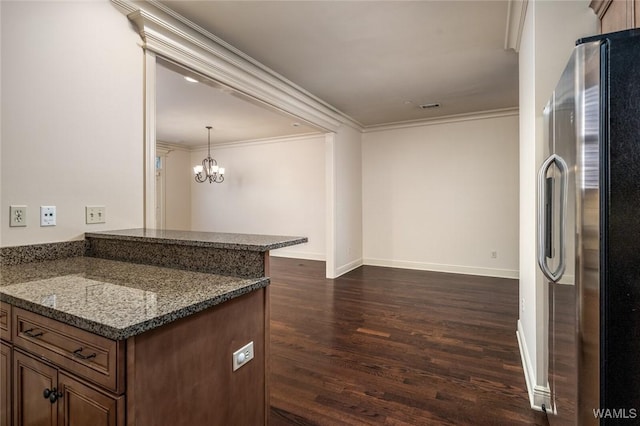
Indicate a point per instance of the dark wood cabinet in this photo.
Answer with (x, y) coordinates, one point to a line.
(5, 321)
(30, 379)
(5, 385)
(617, 15)
(179, 374)
(79, 404)
(45, 396)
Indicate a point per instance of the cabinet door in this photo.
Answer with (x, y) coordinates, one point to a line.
(5, 385)
(31, 378)
(618, 16)
(82, 405)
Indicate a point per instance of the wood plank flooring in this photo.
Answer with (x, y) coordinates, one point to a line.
(384, 346)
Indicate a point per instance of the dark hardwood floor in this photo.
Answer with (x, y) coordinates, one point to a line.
(394, 347)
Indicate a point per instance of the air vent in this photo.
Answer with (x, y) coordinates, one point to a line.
(429, 106)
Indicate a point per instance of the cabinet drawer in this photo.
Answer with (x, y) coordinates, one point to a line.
(5, 321)
(87, 355)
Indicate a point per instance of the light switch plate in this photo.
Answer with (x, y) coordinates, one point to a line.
(17, 216)
(96, 214)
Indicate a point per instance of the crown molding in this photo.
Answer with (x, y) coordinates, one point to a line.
(168, 146)
(177, 39)
(600, 7)
(261, 141)
(516, 12)
(482, 115)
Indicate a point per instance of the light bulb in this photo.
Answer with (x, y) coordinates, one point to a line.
(221, 170)
(197, 169)
(214, 169)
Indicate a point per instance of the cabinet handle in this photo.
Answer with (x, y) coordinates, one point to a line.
(78, 354)
(51, 394)
(32, 335)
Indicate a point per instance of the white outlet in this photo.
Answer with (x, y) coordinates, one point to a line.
(494, 254)
(18, 216)
(95, 214)
(522, 304)
(242, 356)
(47, 215)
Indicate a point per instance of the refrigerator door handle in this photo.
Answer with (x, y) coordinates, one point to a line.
(554, 276)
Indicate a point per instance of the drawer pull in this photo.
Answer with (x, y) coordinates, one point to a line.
(52, 395)
(78, 354)
(31, 334)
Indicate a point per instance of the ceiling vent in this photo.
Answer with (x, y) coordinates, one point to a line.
(430, 106)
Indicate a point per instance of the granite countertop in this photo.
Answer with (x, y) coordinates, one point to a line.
(249, 242)
(116, 299)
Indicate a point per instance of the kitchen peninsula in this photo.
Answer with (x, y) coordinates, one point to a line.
(137, 327)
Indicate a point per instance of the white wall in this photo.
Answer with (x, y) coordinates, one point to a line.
(548, 38)
(346, 151)
(273, 187)
(72, 130)
(443, 196)
(178, 170)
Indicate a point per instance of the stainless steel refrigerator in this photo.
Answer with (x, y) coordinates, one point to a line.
(588, 243)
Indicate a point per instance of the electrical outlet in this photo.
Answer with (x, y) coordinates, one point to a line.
(95, 214)
(494, 254)
(522, 304)
(242, 356)
(47, 215)
(18, 216)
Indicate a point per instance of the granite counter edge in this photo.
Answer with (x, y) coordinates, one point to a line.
(113, 333)
(196, 243)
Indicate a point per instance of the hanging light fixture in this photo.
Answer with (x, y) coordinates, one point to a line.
(209, 170)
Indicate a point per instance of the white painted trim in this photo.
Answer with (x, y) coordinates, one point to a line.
(249, 59)
(297, 254)
(255, 142)
(150, 139)
(538, 395)
(439, 267)
(516, 13)
(162, 150)
(341, 270)
(161, 189)
(168, 147)
(481, 115)
(175, 38)
(330, 205)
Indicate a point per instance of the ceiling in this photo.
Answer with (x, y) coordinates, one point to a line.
(184, 109)
(376, 61)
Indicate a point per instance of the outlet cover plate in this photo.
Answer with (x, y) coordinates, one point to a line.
(47, 215)
(242, 356)
(17, 216)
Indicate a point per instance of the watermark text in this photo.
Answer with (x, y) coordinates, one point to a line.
(615, 413)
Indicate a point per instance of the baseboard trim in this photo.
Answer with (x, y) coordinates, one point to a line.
(297, 254)
(538, 395)
(437, 267)
(341, 270)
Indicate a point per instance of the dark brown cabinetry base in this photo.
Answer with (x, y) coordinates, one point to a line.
(44, 395)
(5, 385)
(176, 374)
(181, 374)
(30, 379)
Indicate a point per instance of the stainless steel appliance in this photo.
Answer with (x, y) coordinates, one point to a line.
(589, 234)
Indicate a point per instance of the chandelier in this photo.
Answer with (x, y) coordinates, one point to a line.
(209, 170)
